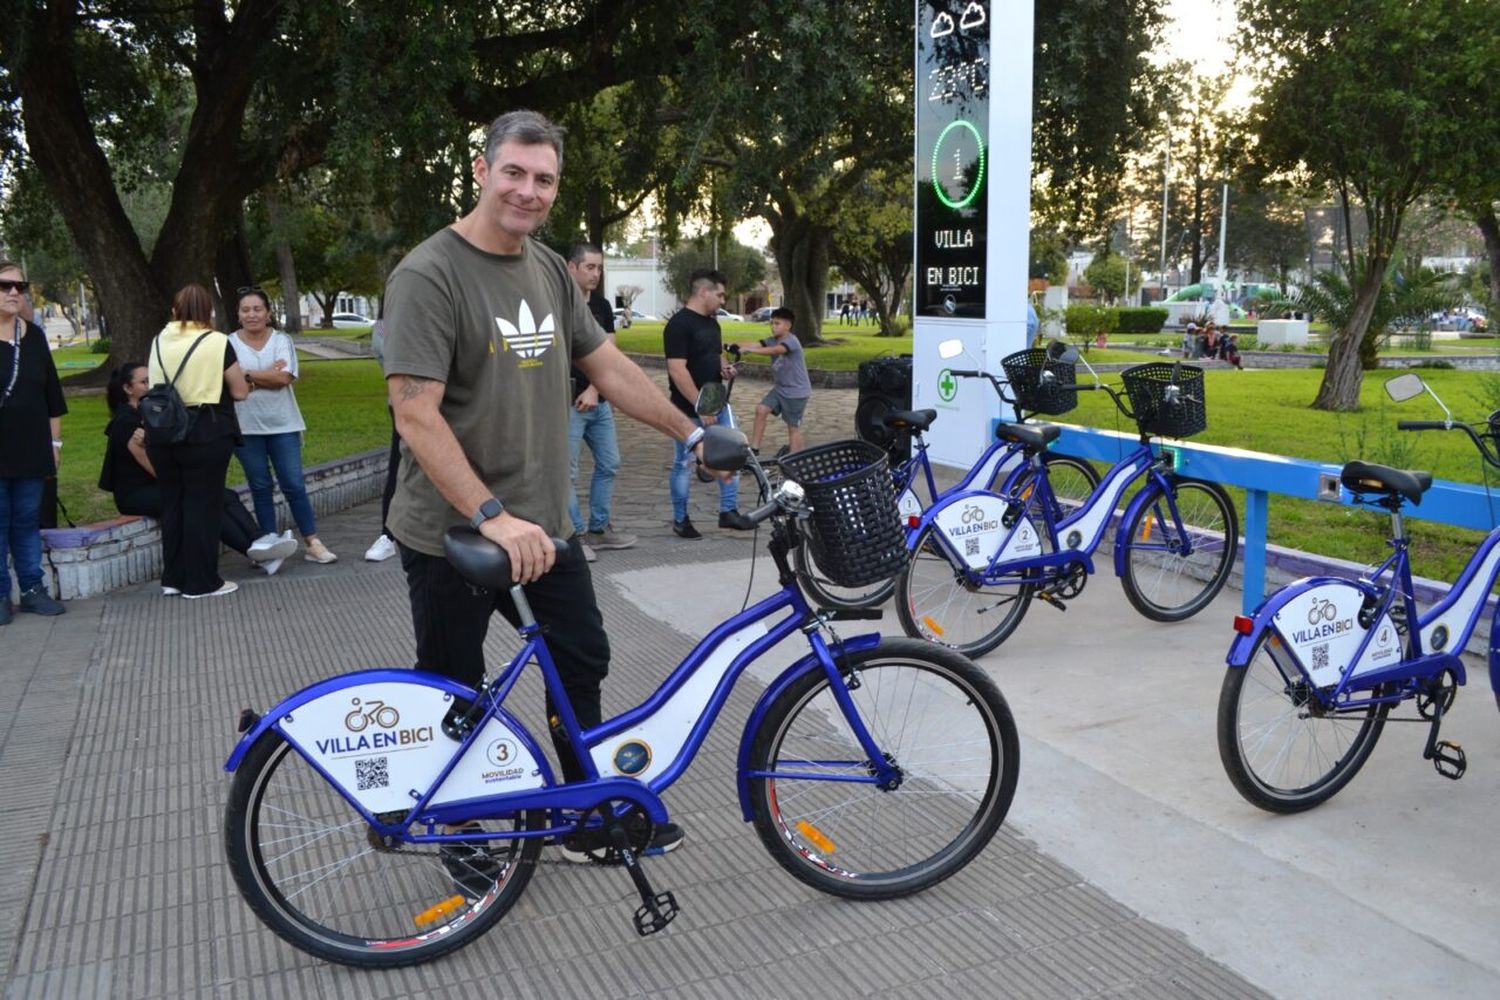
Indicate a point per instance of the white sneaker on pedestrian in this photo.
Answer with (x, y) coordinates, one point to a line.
(273, 546)
(382, 550)
(170, 592)
(318, 552)
(271, 566)
(227, 587)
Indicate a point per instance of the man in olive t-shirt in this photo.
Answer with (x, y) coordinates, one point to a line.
(482, 323)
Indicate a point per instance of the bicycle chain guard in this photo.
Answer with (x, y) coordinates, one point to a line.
(1437, 698)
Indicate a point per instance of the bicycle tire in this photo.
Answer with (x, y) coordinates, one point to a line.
(929, 709)
(305, 862)
(1156, 573)
(827, 594)
(936, 601)
(1279, 754)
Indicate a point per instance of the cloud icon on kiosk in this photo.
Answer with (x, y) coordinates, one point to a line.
(942, 25)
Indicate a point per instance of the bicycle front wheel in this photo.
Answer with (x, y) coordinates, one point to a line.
(937, 601)
(827, 594)
(1173, 573)
(1282, 750)
(313, 870)
(938, 719)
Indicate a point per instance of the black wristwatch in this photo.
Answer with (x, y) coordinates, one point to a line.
(490, 508)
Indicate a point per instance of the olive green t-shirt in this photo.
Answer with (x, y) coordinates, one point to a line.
(500, 332)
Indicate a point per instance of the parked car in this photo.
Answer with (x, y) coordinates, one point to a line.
(762, 315)
(635, 316)
(343, 321)
(725, 314)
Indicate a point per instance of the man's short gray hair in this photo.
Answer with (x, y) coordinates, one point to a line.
(526, 127)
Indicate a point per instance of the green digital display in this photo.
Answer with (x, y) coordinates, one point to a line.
(952, 128)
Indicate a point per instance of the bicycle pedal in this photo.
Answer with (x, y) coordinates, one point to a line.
(655, 913)
(1053, 600)
(1449, 760)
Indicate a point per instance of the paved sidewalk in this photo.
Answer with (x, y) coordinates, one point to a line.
(1127, 866)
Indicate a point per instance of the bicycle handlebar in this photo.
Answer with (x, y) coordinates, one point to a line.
(1489, 456)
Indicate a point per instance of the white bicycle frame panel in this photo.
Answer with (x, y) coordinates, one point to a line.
(387, 767)
(972, 526)
(1321, 628)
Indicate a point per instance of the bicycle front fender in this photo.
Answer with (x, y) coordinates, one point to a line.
(1147, 495)
(1264, 618)
(857, 644)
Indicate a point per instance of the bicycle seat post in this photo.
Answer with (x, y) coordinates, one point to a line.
(523, 609)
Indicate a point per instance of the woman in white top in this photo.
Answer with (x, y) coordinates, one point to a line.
(271, 426)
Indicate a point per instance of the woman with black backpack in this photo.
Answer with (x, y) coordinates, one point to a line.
(197, 361)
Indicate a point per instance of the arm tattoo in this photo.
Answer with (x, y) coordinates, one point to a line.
(412, 386)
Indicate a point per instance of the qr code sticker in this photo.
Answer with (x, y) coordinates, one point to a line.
(372, 773)
(1320, 656)
(971, 546)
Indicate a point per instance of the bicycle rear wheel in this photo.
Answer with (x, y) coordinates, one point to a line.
(937, 601)
(1281, 749)
(1164, 580)
(312, 869)
(938, 718)
(827, 594)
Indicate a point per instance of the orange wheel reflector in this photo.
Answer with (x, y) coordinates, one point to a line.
(934, 626)
(815, 837)
(1146, 529)
(438, 911)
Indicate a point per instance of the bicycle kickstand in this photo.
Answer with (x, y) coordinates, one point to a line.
(1448, 758)
(657, 910)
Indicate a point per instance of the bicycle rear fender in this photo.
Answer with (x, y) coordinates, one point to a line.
(376, 735)
(857, 644)
(1325, 624)
(972, 526)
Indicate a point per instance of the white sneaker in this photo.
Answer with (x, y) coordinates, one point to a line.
(382, 550)
(228, 587)
(318, 552)
(170, 592)
(271, 566)
(268, 547)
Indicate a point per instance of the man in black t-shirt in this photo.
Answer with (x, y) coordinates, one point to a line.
(694, 349)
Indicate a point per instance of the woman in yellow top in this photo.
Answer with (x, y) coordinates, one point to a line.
(191, 472)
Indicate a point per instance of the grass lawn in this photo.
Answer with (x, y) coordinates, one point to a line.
(851, 344)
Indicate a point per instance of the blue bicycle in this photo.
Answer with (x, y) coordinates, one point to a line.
(1314, 673)
(1071, 479)
(870, 767)
(978, 558)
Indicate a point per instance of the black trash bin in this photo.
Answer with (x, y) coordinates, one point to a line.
(884, 385)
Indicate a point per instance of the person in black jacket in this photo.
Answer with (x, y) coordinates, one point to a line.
(31, 410)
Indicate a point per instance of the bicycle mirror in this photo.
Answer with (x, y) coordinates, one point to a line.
(711, 399)
(1404, 387)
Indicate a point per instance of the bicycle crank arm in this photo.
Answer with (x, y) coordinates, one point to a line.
(657, 909)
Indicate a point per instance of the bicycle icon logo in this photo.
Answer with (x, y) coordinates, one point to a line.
(1321, 610)
(972, 514)
(383, 715)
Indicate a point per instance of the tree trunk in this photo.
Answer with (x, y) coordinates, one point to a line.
(1490, 227)
(802, 248)
(286, 264)
(1339, 390)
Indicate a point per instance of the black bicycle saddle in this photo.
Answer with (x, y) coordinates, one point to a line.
(1031, 435)
(1363, 477)
(481, 561)
(918, 420)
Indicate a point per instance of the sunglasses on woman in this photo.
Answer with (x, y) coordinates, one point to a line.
(14, 286)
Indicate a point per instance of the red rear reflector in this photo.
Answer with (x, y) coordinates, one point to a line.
(1244, 624)
(912, 520)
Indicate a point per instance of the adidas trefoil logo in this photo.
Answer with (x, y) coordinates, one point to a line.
(529, 340)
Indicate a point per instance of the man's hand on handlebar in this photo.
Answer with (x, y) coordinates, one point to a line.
(529, 548)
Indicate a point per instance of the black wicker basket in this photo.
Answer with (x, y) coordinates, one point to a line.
(1155, 412)
(855, 530)
(1023, 370)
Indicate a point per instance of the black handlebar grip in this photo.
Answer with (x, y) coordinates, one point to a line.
(965, 373)
(1421, 425)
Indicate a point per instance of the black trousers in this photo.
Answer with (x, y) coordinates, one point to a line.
(392, 466)
(452, 616)
(237, 528)
(191, 477)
